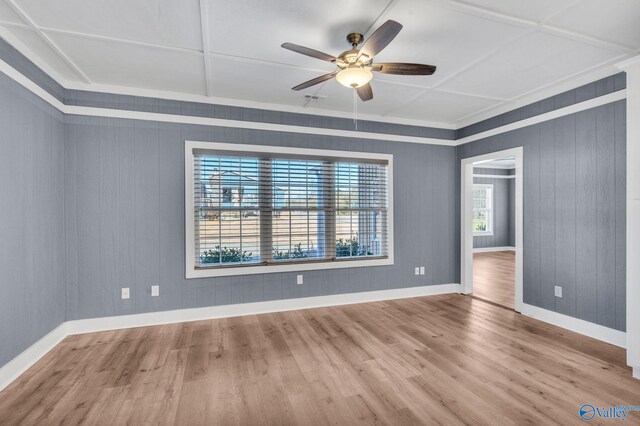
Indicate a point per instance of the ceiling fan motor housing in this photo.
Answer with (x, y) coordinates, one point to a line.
(355, 39)
(352, 57)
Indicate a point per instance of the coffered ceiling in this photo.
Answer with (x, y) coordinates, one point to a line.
(492, 55)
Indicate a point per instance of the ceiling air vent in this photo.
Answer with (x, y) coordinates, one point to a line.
(313, 98)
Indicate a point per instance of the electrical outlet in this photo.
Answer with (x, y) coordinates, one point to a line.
(125, 293)
(558, 291)
(417, 270)
(300, 280)
(422, 271)
(155, 290)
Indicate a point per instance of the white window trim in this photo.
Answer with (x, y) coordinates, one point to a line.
(490, 232)
(192, 272)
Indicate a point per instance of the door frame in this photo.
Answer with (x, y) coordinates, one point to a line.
(466, 215)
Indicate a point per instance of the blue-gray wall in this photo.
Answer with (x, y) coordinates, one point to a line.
(32, 280)
(97, 204)
(570, 97)
(503, 209)
(20, 63)
(574, 206)
(125, 219)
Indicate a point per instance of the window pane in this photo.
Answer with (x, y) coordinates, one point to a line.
(229, 182)
(359, 233)
(298, 235)
(226, 208)
(480, 203)
(296, 183)
(298, 219)
(230, 237)
(361, 199)
(479, 221)
(361, 209)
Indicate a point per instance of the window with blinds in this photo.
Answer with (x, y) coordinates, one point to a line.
(482, 209)
(273, 209)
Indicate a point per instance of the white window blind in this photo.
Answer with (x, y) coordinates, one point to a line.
(264, 209)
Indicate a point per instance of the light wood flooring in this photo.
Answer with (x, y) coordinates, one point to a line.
(494, 277)
(448, 359)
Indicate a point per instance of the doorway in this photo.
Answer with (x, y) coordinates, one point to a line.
(492, 227)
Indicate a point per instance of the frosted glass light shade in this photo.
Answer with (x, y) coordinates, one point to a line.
(354, 77)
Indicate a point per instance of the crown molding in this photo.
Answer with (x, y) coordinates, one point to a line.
(185, 97)
(551, 115)
(606, 69)
(602, 71)
(628, 63)
(207, 121)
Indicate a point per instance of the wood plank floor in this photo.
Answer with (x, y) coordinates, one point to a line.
(494, 277)
(448, 359)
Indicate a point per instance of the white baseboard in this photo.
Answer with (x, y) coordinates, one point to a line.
(227, 311)
(636, 373)
(491, 249)
(606, 334)
(12, 370)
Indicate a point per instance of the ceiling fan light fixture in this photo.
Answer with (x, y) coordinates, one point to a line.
(355, 66)
(354, 77)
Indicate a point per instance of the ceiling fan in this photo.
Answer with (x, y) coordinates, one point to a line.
(356, 65)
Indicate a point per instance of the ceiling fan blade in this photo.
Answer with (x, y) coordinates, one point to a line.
(309, 52)
(404, 69)
(365, 92)
(381, 38)
(315, 81)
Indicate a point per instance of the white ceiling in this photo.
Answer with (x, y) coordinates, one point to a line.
(492, 55)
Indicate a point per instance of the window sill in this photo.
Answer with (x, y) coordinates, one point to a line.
(483, 234)
(290, 267)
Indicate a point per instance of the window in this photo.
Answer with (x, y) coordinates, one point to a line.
(482, 209)
(255, 209)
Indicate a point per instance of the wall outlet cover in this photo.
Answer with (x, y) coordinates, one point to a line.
(155, 290)
(125, 293)
(300, 279)
(417, 270)
(558, 291)
(422, 270)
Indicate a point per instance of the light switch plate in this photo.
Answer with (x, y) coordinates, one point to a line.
(300, 280)
(558, 291)
(125, 292)
(155, 290)
(417, 270)
(422, 271)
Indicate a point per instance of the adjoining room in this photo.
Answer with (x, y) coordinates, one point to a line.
(319, 212)
(494, 231)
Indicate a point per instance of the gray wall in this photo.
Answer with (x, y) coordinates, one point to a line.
(503, 210)
(20, 63)
(574, 211)
(137, 103)
(32, 280)
(124, 186)
(570, 97)
(93, 205)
